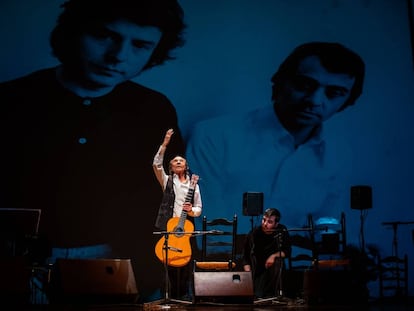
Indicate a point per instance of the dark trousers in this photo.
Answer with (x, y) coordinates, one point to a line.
(179, 278)
(268, 282)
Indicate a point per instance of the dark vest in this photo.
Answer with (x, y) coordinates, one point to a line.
(165, 211)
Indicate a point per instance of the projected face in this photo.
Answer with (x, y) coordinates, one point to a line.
(313, 94)
(116, 52)
(268, 224)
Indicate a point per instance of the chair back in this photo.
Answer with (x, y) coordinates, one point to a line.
(393, 277)
(218, 245)
(329, 237)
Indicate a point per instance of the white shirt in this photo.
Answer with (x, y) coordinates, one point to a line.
(181, 189)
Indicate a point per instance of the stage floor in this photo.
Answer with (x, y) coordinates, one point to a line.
(281, 305)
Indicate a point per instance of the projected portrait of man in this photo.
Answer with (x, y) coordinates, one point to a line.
(78, 139)
(283, 149)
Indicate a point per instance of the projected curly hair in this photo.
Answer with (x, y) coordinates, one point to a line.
(82, 16)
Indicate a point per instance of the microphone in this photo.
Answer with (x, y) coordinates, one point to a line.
(279, 230)
(278, 235)
(216, 232)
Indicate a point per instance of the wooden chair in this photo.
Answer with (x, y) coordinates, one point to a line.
(218, 248)
(393, 277)
(304, 254)
(329, 239)
(301, 260)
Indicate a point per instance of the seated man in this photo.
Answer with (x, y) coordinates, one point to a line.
(264, 250)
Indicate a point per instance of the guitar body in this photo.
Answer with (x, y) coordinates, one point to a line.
(178, 252)
(179, 247)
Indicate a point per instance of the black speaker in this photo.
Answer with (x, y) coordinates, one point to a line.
(15, 281)
(332, 286)
(361, 197)
(252, 203)
(223, 287)
(93, 281)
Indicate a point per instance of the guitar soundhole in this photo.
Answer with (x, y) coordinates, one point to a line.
(178, 232)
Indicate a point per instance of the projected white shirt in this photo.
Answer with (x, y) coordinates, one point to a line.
(252, 152)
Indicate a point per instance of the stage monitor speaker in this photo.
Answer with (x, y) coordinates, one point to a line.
(332, 287)
(93, 281)
(361, 197)
(252, 203)
(223, 287)
(15, 281)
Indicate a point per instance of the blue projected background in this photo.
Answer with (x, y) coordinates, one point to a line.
(234, 46)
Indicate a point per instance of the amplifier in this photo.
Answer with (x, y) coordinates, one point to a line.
(223, 287)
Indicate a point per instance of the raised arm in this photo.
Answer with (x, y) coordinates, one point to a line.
(158, 162)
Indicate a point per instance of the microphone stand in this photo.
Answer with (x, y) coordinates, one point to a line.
(394, 225)
(165, 302)
(278, 298)
(279, 285)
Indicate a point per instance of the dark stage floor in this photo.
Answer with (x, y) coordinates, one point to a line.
(276, 304)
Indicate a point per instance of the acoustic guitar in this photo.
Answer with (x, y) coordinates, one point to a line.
(174, 248)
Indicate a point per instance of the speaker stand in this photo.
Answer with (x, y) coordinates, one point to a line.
(251, 222)
(362, 216)
(362, 220)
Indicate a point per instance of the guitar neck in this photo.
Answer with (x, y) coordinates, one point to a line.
(188, 198)
(190, 195)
